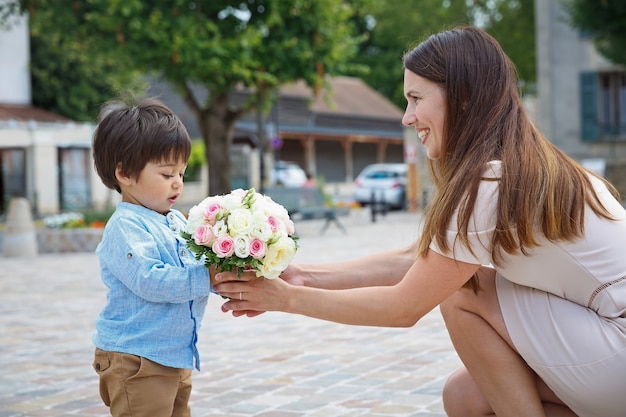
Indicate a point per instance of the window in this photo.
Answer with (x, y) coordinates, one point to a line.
(612, 104)
(12, 175)
(603, 105)
(74, 187)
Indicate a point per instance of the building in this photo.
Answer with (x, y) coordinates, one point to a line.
(582, 95)
(332, 136)
(43, 156)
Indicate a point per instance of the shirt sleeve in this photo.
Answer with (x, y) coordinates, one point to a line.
(481, 226)
(149, 265)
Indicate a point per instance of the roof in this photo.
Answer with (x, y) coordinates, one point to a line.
(346, 96)
(25, 113)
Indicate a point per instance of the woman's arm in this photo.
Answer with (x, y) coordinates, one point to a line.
(429, 281)
(382, 269)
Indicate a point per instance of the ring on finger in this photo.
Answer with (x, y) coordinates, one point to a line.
(240, 296)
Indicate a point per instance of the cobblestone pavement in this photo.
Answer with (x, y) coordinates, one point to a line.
(274, 365)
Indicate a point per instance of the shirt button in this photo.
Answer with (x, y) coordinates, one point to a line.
(170, 216)
(129, 255)
(174, 227)
(183, 252)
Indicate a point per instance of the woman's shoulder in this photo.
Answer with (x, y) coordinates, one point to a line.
(492, 170)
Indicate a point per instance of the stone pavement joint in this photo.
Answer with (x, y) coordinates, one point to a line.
(274, 365)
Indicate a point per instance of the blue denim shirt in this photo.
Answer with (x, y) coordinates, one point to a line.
(158, 291)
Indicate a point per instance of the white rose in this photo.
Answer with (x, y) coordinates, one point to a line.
(278, 256)
(240, 221)
(260, 227)
(220, 228)
(195, 218)
(242, 246)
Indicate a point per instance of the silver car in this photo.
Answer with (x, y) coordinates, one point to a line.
(288, 174)
(386, 183)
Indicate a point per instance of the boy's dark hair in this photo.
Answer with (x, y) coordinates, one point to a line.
(131, 133)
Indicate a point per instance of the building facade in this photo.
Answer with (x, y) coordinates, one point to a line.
(581, 95)
(43, 156)
(332, 136)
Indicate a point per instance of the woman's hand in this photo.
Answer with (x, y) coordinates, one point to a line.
(292, 275)
(250, 295)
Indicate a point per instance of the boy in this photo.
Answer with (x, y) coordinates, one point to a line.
(157, 292)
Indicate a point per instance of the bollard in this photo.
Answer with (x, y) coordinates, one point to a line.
(20, 238)
(377, 206)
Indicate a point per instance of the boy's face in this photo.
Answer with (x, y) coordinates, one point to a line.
(157, 186)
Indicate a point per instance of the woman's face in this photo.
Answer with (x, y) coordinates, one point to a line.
(425, 111)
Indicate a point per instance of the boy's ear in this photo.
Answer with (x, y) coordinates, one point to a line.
(122, 177)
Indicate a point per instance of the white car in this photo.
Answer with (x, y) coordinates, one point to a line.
(288, 174)
(386, 183)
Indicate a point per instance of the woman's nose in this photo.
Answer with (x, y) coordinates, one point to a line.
(409, 118)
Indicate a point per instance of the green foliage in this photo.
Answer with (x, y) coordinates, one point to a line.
(512, 23)
(196, 160)
(395, 26)
(70, 74)
(604, 21)
(219, 45)
(209, 258)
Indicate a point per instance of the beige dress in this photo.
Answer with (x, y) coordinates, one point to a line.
(564, 304)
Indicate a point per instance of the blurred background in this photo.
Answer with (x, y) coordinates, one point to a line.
(274, 92)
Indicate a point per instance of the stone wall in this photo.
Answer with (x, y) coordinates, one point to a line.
(68, 240)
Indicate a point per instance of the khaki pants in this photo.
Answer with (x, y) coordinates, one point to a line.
(132, 386)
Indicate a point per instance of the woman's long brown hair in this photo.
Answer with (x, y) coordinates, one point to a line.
(541, 188)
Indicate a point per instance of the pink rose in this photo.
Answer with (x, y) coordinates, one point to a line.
(274, 223)
(291, 228)
(223, 246)
(211, 212)
(258, 248)
(204, 235)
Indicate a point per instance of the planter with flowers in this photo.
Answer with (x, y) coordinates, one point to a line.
(71, 232)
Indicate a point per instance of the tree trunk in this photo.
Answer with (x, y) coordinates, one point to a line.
(217, 126)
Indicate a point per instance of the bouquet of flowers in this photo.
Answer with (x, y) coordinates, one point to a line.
(242, 230)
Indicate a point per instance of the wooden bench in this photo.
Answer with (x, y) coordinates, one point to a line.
(305, 203)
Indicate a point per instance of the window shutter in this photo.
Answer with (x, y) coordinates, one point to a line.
(589, 106)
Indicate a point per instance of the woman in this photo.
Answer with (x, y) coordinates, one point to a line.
(522, 249)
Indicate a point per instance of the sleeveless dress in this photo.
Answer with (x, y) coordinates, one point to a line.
(564, 304)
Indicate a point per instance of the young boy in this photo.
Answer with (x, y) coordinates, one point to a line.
(146, 334)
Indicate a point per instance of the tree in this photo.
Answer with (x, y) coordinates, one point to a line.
(512, 23)
(219, 45)
(604, 21)
(68, 76)
(394, 26)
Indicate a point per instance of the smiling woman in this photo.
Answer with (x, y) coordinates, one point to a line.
(521, 250)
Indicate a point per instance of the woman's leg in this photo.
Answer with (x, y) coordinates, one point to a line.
(496, 379)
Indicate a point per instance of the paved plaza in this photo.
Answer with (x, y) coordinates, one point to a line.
(274, 365)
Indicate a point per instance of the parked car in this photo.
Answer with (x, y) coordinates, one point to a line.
(384, 182)
(288, 174)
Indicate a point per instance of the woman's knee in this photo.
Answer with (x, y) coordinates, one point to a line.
(462, 397)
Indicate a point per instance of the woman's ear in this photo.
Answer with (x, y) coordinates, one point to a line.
(121, 176)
